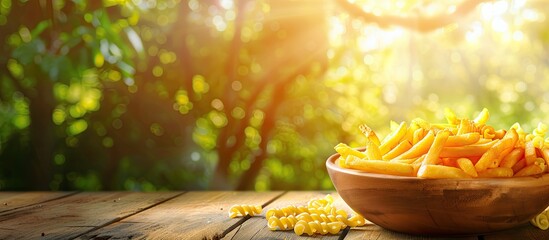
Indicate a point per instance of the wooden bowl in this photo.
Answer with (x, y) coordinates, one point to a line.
(441, 207)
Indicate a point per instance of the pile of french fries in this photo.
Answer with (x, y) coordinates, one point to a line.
(460, 148)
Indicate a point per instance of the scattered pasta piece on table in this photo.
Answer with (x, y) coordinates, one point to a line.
(319, 216)
(541, 220)
(243, 210)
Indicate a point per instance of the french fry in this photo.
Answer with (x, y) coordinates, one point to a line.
(451, 117)
(529, 152)
(450, 162)
(545, 155)
(462, 140)
(417, 163)
(369, 133)
(496, 161)
(393, 139)
(482, 117)
(422, 123)
(467, 166)
(512, 158)
(529, 171)
(466, 126)
(399, 149)
(372, 151)
(432, 156)
(418, 135)
(408, 161)
(380, 166)
(453, 130)
(461, 148)
(485, 140)
(438, 171)
(420, 148)
(345, 151)
(494, 152)
(541, 163)
(409, 136)
(474, 159)
(468, 150)
(341, 162)
(499, 172)
(519, 165)
(351, 158)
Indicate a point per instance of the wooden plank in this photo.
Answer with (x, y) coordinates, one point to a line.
(195, 215)
(256, 227)
(527, 231)
(10, 201)
(68, 217)
(376, 232)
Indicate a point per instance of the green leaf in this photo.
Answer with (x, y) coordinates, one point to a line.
(57, 67)
(40, 27)
(135, 40)
(126, 68)
(26, 52)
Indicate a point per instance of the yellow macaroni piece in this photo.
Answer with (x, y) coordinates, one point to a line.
(354, 221)
(328, 210)
(540, 130)
(322, 202)
(311, 228)
(537, 136)
(283, 223)
(243, 210)
(285, 211)
(541, 220)
(317, 218)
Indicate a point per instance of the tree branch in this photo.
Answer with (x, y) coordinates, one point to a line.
(18, 86)
(417, 23)
(230, 67)
(279, 94)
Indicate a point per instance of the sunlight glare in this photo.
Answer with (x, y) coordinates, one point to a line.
(517, 4)
(531, 15)
(499, 25)
(518, 36)
(336, 31)
(500, 7)
(193, 5)
(227, 4)
(375, 38)
(474, 33)
(366, 43)
(219, 23)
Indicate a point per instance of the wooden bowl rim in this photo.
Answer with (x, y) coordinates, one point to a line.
(330, 164)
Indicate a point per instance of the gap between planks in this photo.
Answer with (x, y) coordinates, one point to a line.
(244, 219)
(11, 211)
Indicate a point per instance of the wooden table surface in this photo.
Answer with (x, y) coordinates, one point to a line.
(172, 215)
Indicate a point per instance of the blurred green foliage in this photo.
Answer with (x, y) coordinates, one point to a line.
(221, 94)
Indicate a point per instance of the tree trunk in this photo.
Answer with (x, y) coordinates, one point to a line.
(225, 152)
(247, 180)
(301, 45)
(42, 137)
